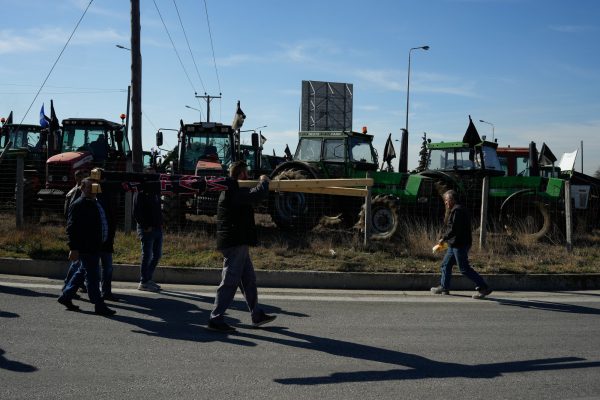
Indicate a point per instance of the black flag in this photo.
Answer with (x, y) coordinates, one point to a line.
(471, 135)
(9, 120)
(238, 118)
(288, 153)
(54, 124)
(546, 156)
(388, 151)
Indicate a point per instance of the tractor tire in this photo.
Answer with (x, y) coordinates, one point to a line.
(384, 219)
(294, 210)
(173, 211)
(526, 220)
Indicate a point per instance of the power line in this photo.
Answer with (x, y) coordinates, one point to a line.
(211, 45)
(188, 44)
(57, 59)
(174, 48)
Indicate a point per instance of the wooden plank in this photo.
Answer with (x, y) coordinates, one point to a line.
(311, 183)
(337, 191)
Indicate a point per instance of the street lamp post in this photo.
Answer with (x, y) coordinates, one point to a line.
(493, 128)
(194, 108)
(404, 143)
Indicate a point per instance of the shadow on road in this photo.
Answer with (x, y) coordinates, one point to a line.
(548, 306)
(17, 291)
(15, 366)
(415, 366)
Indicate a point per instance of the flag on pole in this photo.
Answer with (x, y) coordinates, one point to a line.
(471, 135)
(43, 119)
(54, 124)
(546, 156)
(262, 139)
(389, 153)
(287, 152)
(9, 120)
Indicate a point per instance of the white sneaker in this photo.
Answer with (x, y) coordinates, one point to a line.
(146, 287)
(152, 283)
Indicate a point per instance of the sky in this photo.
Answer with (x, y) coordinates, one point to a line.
(529, 68)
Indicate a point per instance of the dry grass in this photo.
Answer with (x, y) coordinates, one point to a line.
(323, 249)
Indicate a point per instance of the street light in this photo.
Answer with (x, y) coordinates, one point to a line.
(194, 108)
(404, 143)
(122, 47)
(493, 128)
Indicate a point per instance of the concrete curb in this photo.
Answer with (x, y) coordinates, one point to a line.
(315, 279)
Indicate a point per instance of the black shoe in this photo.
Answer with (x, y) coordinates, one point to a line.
(220, 326)
(482, 292)
(68, 303)
(103, 310)
(439, 290)
(76, 297)
(111, 297)
(83, 289)
(263, 319)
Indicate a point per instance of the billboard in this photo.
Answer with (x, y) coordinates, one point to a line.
(326, 106)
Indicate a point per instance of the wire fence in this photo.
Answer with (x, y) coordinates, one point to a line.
(524, 208)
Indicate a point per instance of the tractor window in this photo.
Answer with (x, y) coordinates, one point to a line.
(490, 158)
(450, 159)
(309, 149)
(333, 150)
(522, 166)
(361, 151)
(212, 147)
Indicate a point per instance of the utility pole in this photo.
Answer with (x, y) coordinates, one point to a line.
(136, 88)
(208, 98)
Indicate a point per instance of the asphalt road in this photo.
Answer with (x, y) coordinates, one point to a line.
(323, 345)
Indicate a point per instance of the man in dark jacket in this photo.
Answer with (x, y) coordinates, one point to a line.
(87, 230)
(109, 205)
(70, 198)
(148, 215)
(235, 233)
(458, 237)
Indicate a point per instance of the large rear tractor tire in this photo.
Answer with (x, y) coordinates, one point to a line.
(526, 220)
(294, 210)
(384, 219)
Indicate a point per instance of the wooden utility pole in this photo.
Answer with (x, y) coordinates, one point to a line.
(136, 87)
(208, 98)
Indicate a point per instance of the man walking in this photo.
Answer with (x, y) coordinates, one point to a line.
(235, 232)
(70, 198)
(148, 215)
(458, 236)
(87, 230)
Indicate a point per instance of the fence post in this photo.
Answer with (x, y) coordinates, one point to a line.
(367, 214)
(568, 216)
(485, 190)
(128, 203)
(19, 195)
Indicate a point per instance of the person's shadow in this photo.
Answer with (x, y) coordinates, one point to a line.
(15, 366)
(413, 366)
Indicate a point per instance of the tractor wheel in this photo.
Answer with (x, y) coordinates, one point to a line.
(384, 219)
(173, 211)
(528, 220)
(294, 210)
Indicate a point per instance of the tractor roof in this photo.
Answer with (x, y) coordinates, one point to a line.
(328, 134)
(91, 121)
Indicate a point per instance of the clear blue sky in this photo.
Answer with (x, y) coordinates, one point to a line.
(530, 67)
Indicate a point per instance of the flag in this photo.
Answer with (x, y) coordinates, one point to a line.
(546, 156)
(9, 120)
(262, 139)
(471, 135)
(43, 118)
(287, 152)
(238, 118)
(388, 152)
(54, 124)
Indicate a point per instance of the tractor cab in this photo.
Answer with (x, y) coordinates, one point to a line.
(462, 159)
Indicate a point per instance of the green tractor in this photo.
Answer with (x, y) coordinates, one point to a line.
(322, 155)
(527, 205)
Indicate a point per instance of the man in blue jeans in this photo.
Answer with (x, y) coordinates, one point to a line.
(458, 236)
(87, 230)
(148, 215)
